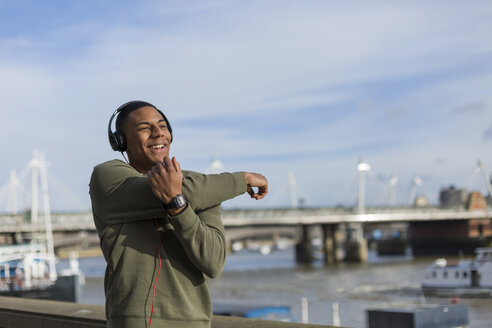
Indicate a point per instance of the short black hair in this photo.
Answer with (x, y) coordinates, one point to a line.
(134, 105)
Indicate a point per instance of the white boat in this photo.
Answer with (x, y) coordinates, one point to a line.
(468, 278)
(24, 267)
(28, 270)
(25, 272)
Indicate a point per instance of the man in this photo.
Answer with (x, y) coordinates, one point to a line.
(159, 227)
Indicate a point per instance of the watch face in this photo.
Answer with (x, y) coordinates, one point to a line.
(177, 202)
(180, 201)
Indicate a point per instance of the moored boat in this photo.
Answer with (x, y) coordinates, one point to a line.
(26, 270)
(466, 278)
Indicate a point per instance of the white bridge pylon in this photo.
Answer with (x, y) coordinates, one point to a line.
(364, 172)
(13, 193)
(486, 177)
(290, 186)
(22, 192)
(39, 175)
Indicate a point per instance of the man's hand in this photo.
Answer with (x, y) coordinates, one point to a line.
(256, 180)
(165, 181)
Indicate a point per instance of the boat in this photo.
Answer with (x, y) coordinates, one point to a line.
(466, 278)
(27, 270)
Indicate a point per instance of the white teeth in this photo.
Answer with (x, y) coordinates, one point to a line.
(157, 146)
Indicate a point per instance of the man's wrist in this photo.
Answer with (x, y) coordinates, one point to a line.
(177, 201)
(176, 211)
(246, 177)
(176, 205)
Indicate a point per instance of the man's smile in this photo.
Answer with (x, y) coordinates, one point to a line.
(158, 147)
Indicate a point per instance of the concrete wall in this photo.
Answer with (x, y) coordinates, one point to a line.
(28, 313)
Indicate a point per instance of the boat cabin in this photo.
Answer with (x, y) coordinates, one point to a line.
(475, 273)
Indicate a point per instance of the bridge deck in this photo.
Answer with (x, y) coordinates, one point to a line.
(270, 217)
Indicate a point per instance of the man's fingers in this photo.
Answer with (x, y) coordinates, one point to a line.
(256, 180)
(151, 177)
(263, 191)
(176, 164)
(155, 169)
(167, 162)
(256, 195)
(161, 165)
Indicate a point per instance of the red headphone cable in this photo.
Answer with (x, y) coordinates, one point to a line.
(158, 271)
(126, 160)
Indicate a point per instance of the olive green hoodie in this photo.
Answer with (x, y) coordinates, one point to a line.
(129, 220)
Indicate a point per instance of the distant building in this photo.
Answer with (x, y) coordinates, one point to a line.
(452, 197)
(476, 201)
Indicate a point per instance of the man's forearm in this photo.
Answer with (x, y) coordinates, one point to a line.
(206, 190)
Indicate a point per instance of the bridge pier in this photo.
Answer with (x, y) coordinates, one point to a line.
(329, 243)
(304, 248)
(355, 244)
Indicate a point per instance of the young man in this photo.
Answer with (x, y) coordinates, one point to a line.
(159, 227)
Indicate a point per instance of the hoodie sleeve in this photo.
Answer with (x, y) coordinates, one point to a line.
(203, 238)
(120, 194)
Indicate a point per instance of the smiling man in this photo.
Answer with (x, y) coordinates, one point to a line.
(147, 135)
(159, 227)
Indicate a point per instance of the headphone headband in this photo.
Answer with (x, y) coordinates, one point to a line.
(117, 139)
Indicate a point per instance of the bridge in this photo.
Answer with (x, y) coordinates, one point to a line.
(243, 224)
(83, 221)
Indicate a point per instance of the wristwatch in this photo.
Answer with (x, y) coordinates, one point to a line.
(177, 202)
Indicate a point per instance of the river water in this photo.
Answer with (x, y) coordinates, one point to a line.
(251, 278)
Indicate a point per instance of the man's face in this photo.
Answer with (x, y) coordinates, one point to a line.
(147, 137)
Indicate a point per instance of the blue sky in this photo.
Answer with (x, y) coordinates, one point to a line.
(307, 87)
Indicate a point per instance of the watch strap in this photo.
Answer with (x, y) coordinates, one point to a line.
(177, 202)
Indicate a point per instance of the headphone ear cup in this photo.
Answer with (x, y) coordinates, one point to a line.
(113, 141)
(120, 141)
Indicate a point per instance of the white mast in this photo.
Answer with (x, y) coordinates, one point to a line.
(362, 167)
(393, 180)
(293, 190)
(34, 164)
(13, 193)
(47, 218)
(416, 181)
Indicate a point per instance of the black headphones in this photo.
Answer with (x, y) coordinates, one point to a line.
(117, 138)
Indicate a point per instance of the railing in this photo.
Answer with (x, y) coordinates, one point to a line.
(19, 312)
(267, 217)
